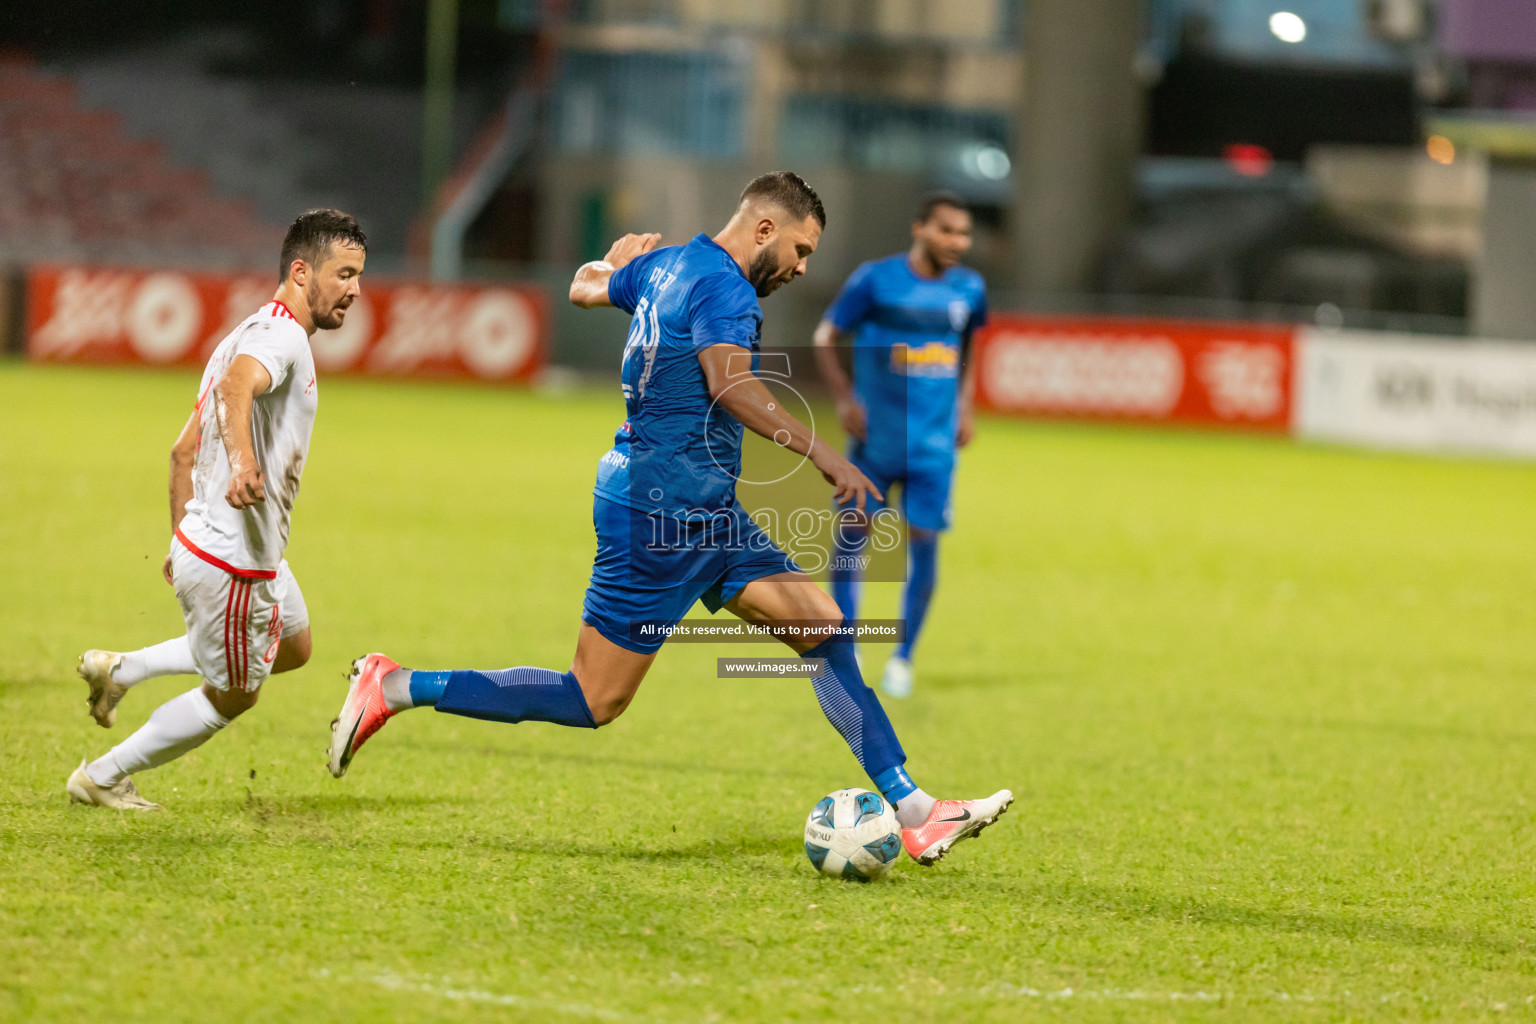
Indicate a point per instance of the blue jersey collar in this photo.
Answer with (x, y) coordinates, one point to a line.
(906, 262)
(702, 238)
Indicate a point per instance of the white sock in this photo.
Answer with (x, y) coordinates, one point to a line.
(177, 726)
(397, 690)
(914, 809)
(172, 658)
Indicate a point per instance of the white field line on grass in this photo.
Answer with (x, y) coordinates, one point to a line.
(443, 988)
(1347, 997)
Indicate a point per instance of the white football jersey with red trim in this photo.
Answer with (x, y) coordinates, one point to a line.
(251, 541)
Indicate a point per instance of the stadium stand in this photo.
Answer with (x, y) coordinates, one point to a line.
(74, 185)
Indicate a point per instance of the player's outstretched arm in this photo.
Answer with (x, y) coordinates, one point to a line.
(233, 396)
(589, 288)
(849, 412)
(727, 370)
(183, 452)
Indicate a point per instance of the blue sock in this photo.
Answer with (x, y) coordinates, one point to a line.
(847, 542)
(513, 695)
(894, 785)
(427, 687)
(855, 711)
(923, 574)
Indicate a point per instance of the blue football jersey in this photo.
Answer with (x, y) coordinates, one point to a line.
(908, 332)
(678, 454)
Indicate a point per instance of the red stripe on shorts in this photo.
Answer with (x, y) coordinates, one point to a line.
(229, 604)
(242, 640)
(245, 640)
(236, 627)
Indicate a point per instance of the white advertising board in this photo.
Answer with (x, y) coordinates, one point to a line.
(1416, 393)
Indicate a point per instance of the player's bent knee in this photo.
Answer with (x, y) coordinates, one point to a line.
(607, 709)
(820, 606)
(607, 674)
(231, 703)
(606, 699)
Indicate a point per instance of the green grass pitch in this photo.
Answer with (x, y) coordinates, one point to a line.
(1268, 710)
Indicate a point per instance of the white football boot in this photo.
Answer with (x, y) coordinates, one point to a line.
(363, 713)
(897, 681)
(121, 797)
(949, 822)
(96, 668)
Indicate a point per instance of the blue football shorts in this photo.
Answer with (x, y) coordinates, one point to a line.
(926, 486)
(650, 569)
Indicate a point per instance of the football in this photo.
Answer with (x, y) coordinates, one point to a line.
(853, 834)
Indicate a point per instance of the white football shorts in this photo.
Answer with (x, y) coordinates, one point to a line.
(235, 623)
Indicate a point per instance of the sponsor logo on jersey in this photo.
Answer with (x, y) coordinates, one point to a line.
(934, 359)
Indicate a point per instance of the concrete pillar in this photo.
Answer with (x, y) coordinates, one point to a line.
(769, 80)
(1078, 135)
(1503, 299)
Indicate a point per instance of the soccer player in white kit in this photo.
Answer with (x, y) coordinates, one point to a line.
(235, 472)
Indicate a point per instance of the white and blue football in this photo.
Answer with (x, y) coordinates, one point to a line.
(853, 833)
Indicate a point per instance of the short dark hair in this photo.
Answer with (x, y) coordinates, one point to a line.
(933, 200)
(789, 191)
(311, 235)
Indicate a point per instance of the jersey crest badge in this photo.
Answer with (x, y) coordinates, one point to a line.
(959, 314)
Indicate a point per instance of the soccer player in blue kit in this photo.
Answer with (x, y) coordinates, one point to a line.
(670, 530)
(909, 408)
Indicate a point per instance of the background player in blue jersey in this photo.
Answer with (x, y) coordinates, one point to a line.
(670, 530)
(908, 408)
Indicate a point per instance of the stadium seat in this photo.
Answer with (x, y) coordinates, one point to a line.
(70, 177)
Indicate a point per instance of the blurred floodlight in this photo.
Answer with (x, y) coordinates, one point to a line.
(992, 163)
(1441, 150)
(985, 160)
(1287, 27)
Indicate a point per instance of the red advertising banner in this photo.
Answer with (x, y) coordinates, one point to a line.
(1213, 374)
(393, 329)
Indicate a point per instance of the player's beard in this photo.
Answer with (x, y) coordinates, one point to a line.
(943, 258)
(327, 320)
(762, 270)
